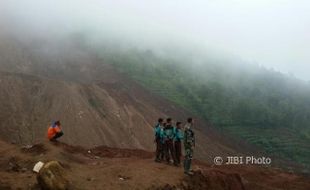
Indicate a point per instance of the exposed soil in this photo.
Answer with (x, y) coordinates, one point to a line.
(108, 111)
(59, 80)
(102, 108)
(36, 149)
(113, 168)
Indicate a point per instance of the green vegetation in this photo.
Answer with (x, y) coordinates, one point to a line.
(267, 108)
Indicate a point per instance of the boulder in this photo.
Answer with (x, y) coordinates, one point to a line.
(52, 177)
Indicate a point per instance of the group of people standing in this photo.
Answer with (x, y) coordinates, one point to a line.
(168, 139)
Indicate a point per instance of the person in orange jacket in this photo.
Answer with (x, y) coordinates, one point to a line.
(54, 131)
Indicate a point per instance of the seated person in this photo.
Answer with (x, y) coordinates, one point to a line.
(54, 131)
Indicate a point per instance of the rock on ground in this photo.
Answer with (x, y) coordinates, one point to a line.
(52, 177)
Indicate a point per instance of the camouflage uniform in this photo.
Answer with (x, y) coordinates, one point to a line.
(189, 143)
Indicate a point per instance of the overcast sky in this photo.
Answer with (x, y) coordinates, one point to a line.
(273, 33)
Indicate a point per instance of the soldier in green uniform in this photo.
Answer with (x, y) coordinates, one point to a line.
(189, 144)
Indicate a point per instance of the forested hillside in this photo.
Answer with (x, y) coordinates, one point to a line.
(264, 107)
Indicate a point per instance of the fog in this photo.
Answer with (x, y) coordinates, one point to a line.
(272, 33)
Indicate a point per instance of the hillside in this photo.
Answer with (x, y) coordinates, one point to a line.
(111, 168)
(263, 107)
(96, 104)
(108, 70)
(113, 97)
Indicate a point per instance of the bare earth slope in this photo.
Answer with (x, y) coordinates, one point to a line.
(41, 82)
(105, 113)
(111, 168)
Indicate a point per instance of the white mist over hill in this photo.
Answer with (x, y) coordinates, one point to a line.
(270, 33)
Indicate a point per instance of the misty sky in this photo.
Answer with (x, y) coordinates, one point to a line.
(273, 33)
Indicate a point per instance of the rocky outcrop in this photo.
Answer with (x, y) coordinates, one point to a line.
(52, 177)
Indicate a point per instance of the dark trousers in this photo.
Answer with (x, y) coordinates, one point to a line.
(58, 135)
(178, 152)
(169, 150)
(159, 150)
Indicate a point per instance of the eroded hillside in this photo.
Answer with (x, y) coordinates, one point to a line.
(96, 104)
